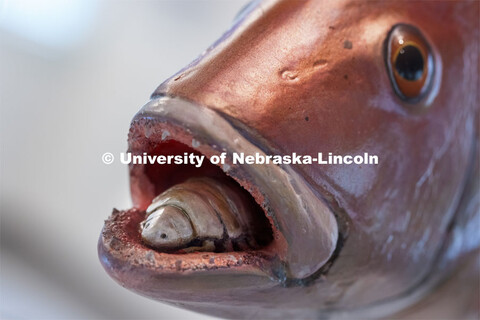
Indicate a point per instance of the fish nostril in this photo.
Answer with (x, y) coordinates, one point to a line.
(288, 75)
(163, 236)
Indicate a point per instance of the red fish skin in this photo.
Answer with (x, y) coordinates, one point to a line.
(284, 74)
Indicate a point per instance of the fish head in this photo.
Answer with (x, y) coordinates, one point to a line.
(346, 77)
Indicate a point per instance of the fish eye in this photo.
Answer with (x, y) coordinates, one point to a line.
(410, 62)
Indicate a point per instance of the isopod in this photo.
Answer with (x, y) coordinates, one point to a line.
(204, 214)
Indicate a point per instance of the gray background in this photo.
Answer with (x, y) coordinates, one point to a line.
(72, 75)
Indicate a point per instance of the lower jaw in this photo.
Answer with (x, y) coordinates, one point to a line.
(125, 256)
(199, 277)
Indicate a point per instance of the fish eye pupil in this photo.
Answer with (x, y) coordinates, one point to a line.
(163, 236)
(409, 63)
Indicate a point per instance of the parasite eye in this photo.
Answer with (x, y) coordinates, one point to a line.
(409, 62)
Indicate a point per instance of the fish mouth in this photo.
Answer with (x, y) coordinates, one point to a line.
(300, 233)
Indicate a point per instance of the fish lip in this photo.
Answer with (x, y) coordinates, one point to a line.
(170, 277)
(121, 248)
(283, 194)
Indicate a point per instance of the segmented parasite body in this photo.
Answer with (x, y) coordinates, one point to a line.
(202, 214)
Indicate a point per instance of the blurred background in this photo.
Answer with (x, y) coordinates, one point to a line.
(72, 75)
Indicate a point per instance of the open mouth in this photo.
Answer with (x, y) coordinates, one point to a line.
(199, 207)
(249, 219)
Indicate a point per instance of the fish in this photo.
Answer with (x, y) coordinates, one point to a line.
(399, 238)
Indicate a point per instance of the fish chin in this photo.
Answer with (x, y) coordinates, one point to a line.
(304, 229)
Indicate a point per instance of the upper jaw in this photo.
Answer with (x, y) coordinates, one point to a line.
(305, 229)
